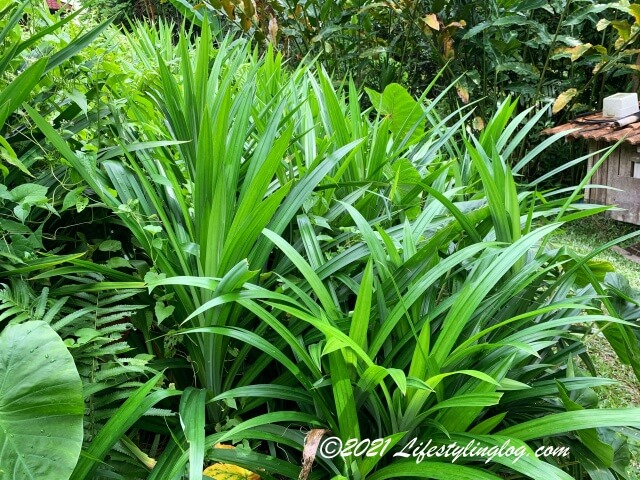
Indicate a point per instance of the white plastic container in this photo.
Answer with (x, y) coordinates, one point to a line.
(620, 105)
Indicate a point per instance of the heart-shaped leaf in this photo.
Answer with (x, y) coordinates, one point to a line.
(41, 405)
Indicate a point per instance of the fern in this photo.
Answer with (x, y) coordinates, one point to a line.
(95, 327)
(15, 302)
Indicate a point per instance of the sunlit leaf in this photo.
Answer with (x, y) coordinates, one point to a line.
(563, 99)
(227, 471)
(575, 52)
(404, 113)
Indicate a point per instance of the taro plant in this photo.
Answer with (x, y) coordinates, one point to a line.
(41, 404)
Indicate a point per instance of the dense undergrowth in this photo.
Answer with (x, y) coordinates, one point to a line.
(204, 247)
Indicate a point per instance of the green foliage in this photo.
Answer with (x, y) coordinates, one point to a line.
(380, 271)
(43, 211)
(537, 50)
(40, 404)
(441, 323)
(127, 10)
(283, 253)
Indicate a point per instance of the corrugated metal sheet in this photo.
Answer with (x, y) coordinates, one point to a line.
(585, 128)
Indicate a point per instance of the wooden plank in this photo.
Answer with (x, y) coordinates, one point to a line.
(590, 193)
(628, 199)
(612, 173)
(625, 168)
(596, 195)
(603, 178)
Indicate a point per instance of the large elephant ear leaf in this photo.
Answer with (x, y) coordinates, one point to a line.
(41, 405)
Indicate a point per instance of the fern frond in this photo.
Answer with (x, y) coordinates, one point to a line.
(41, 304)
(54, 310)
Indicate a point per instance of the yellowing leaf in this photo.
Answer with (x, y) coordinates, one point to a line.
(478, 123)
(563, 99)
(575, 52)
(224, 446)
(432, 21)
(602, 24)
(598, 66)
(227, 471)
(603, 50)
(578, 51)
(635, 11)
(623, 28)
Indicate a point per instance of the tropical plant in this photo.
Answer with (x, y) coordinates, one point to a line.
(41, 404)
(459, 325)
(44, 62)
(377, 273)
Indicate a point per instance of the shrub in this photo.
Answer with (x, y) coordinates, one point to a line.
(377, 273)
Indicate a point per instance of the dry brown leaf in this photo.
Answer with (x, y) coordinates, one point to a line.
(563, 99)
(463, 93)
(249, 8)
(245, 23)
(460, 24)
(311, 443)
(229, 8)
(273, 30)
(446, 41)
(432, 20)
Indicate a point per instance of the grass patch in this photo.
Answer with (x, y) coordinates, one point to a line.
(583, 236)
